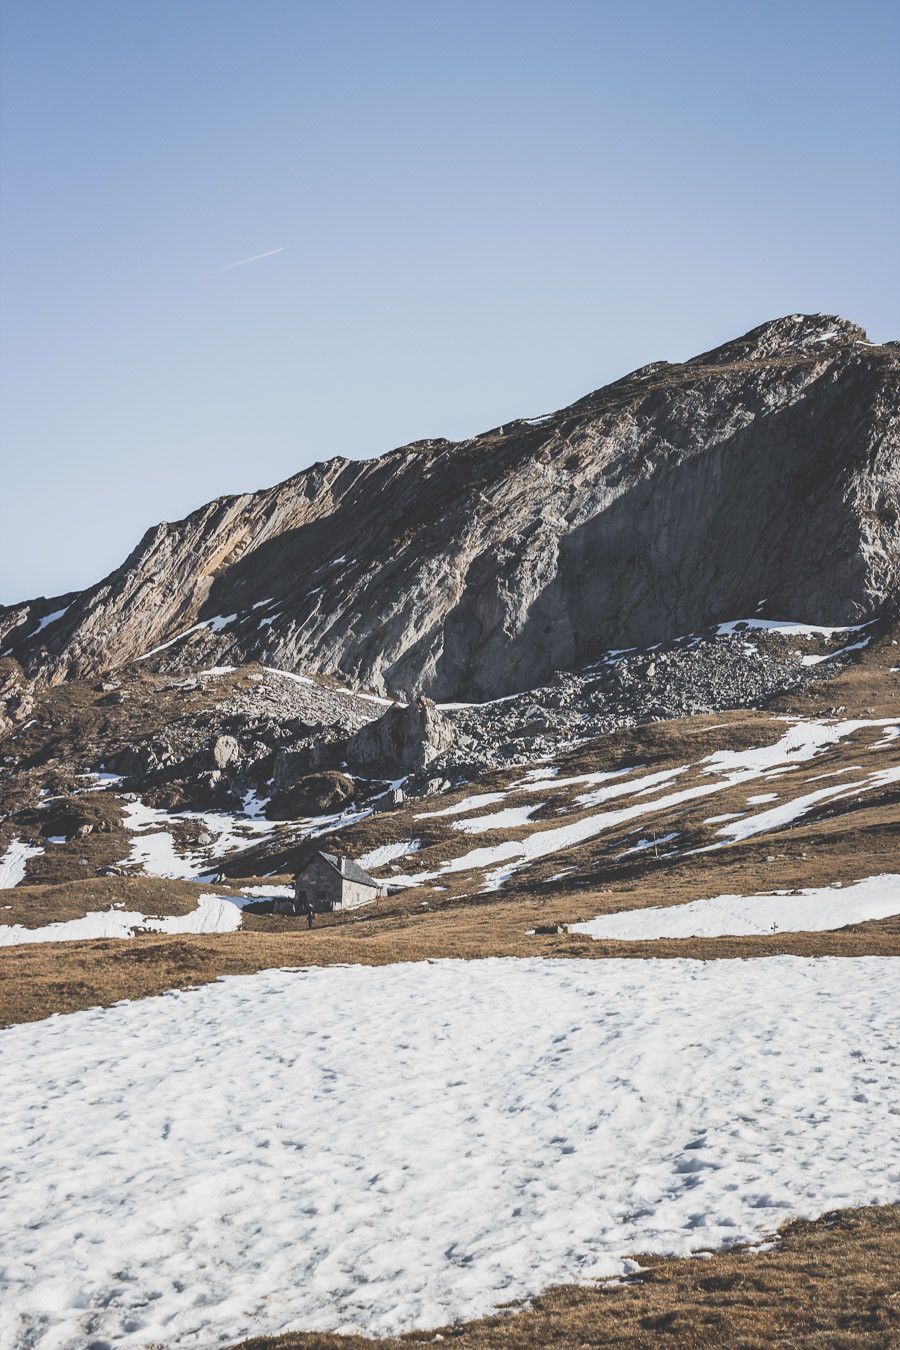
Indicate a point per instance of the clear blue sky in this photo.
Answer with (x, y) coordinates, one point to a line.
(486, 209)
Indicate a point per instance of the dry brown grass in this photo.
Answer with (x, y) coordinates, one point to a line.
(35, 906)
(832, 1283)
(843, 840)
(38, 980)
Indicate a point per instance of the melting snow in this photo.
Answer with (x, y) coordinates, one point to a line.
(270, 892)
(214, 914)
(814, 910)
(48, 619)
(155, 851)
(12, 864)
(467, 804)
(511, 817)
(729, 768)
(785, 627)
(387, 853)
(581, 1110)
(289, 675)
(215, 625)
(779, 816)
(831, 656)
(643, 844)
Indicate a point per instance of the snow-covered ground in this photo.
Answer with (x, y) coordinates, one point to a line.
(269, 892)
(798, 743)
(12, 863)
(155, 853)
(388, 853)
(395, 1147)
(814, 910)
(214, 914)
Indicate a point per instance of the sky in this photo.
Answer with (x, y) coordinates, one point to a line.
(457, 213)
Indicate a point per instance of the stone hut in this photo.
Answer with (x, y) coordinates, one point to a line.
(330, 883)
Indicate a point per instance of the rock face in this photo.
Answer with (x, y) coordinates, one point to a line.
(225, 751)
(16, 697)
(402, 741)
(312, 795)
(767, 470)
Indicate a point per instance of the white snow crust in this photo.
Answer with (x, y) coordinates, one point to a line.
(785, 627)
(214, 914)
(378, 1149)
(48, 619)
(12, 864)
(817, 909)
(269, 892)
(799, 742)
(509, 818)
(388, 853)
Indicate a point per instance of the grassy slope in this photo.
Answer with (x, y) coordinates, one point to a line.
(830, 1283)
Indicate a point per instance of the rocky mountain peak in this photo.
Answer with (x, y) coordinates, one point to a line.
(761, 477)
(790, 336)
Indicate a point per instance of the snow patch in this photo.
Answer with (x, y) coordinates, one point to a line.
(467, 804)
(48, 619)
(810, 911)
(785, 628)
(214, 914)
(14, 860)
(510, 818)
(583, 1110)
(387, 853)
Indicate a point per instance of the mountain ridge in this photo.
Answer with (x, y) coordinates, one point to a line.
(763, 471)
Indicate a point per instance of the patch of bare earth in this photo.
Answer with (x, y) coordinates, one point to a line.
(832, 1283)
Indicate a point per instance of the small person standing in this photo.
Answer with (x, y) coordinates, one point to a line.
(310, 916)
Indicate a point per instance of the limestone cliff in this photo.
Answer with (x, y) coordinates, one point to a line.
(765, 472)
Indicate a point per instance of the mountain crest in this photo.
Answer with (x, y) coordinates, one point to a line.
(765, 471)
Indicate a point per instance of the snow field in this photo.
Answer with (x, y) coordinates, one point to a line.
(817, 909)
(377, 1149)
(214, 914)
(12, 863)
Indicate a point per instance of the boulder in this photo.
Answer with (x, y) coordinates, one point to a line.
(402, 741)
(313, 795)
(291, 763)
(133, 761)
(225, 751)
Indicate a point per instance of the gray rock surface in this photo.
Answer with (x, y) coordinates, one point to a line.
(402, 741)
(16, 697)
(765, 470)
(694, 674)
(225, 751)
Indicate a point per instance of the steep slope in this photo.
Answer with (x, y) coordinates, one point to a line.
(763, 476)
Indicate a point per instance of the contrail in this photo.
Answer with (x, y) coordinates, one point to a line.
(242, 262)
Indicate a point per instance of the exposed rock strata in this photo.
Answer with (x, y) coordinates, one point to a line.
(765, 470)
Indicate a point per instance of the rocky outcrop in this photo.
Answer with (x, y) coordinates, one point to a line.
(224, 751)
(402, 741)
(312, 795)
(765, 472)
(16, 697)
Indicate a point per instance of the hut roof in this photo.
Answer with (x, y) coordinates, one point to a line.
(346, 867)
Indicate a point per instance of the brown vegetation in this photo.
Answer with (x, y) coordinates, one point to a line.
(832, 1283)
(40, 979)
